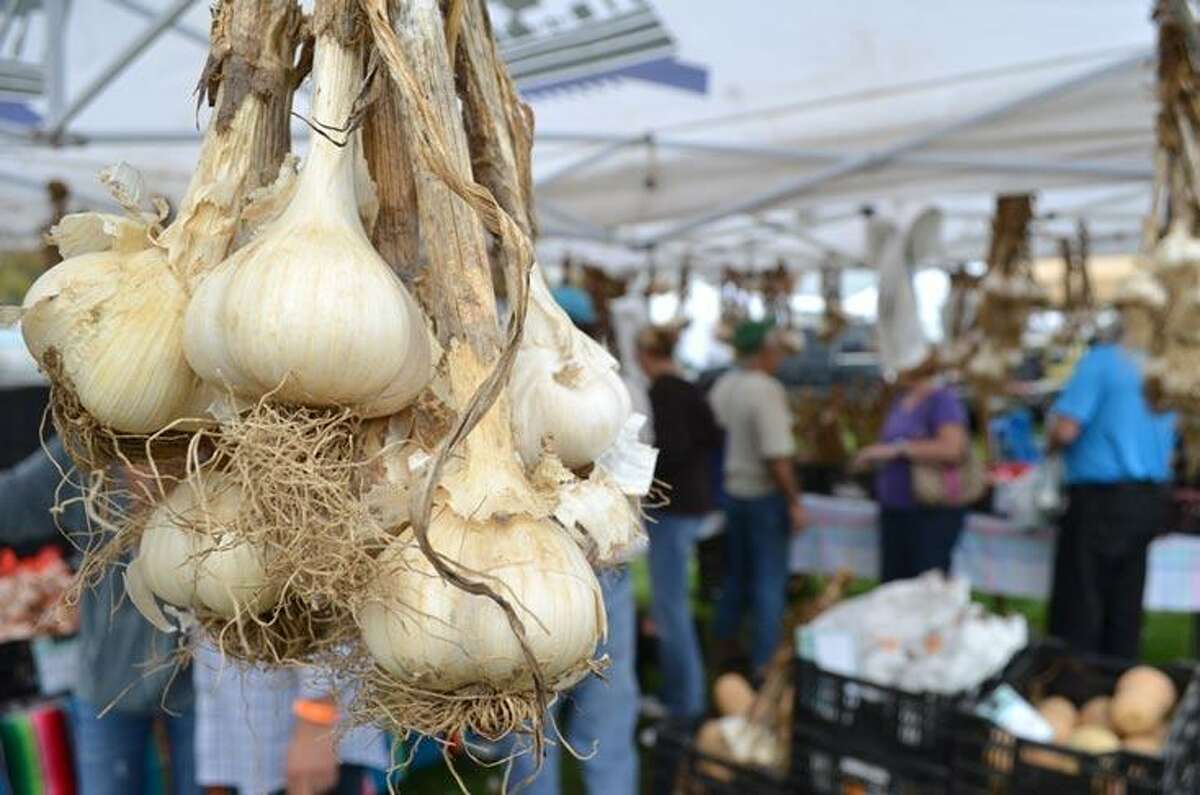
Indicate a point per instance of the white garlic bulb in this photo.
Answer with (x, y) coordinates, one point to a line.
(1178, 248)
(308, 311)
(213, 570)
(1141, 289)
(432, 634)
(565, 388)
(114, 320)
(579, 412)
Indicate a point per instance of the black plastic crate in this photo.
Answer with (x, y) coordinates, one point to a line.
(678, 768)
(18, 671)
(988, 760)
(881, 720)
(820, 768)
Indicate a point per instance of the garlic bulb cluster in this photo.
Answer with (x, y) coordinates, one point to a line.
(565, 388)
(308, 312)
(434, 635)
(113, 321)
(1141, 288)
(1015, 287)
(210, 569)
(1178, 248)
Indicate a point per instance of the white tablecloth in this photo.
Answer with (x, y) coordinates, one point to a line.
(997, 559)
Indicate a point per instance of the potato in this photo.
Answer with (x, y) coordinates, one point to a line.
(1061, 715)
(732, 694)
(1143, 699)
(710, 740)
(1094, 740)
(1096, 712)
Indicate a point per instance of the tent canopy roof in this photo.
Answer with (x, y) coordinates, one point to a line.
(708, 131)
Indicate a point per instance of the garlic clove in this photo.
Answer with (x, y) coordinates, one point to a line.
(142, 597)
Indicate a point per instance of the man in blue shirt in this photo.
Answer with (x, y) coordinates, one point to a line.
(1117, 452)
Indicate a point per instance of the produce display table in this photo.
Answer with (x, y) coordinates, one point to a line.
(843, 533)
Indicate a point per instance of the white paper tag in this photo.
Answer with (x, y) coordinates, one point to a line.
(629, 462)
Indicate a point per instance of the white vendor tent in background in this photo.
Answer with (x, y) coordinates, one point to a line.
(673, 131)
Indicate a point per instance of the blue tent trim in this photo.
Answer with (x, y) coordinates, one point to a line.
(669, 72)
(19, 113)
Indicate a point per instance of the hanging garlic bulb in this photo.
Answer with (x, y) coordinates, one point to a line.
(308, 312)
(434, 635)
(566, 391)
(209, 569)
(1178, 248)
(110, 322)
(1141, 289)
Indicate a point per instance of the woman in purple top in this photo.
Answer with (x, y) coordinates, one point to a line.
(927, 423)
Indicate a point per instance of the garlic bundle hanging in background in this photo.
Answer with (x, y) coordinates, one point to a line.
(209, 569)
(566, 391)
(308, 312)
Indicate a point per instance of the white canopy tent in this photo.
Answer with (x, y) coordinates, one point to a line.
(680, 131)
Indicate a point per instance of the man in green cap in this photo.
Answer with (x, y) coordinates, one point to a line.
(763, 505)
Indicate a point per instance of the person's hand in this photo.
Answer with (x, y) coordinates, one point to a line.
(312, 763)
(798, 516)
(875, 454)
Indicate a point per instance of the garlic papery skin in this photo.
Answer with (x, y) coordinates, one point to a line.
(606, 523)
(566, 391)
(308, 312)
(112, 322)
(433, 635)
(191, 567)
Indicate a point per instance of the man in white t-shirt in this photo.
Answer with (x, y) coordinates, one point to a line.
(763, 506)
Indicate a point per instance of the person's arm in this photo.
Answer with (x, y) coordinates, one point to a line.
(28, 492)
(778, 447)
(948, 447)
(1062, 433)
(312, 758)
(1078, 403)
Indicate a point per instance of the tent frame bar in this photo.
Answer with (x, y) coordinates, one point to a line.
(611, 145)
(870, 160)
(146, 12)
(119, 64)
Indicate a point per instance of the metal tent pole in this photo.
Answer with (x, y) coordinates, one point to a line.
(857, 163)
(116, 67)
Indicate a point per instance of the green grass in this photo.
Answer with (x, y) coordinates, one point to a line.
(18, 269)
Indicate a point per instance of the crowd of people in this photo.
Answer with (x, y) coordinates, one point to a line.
(252, 731)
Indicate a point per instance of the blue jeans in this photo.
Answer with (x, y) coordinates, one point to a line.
(598, 717)
(757, 535)
(110, 752)
(672, 538)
